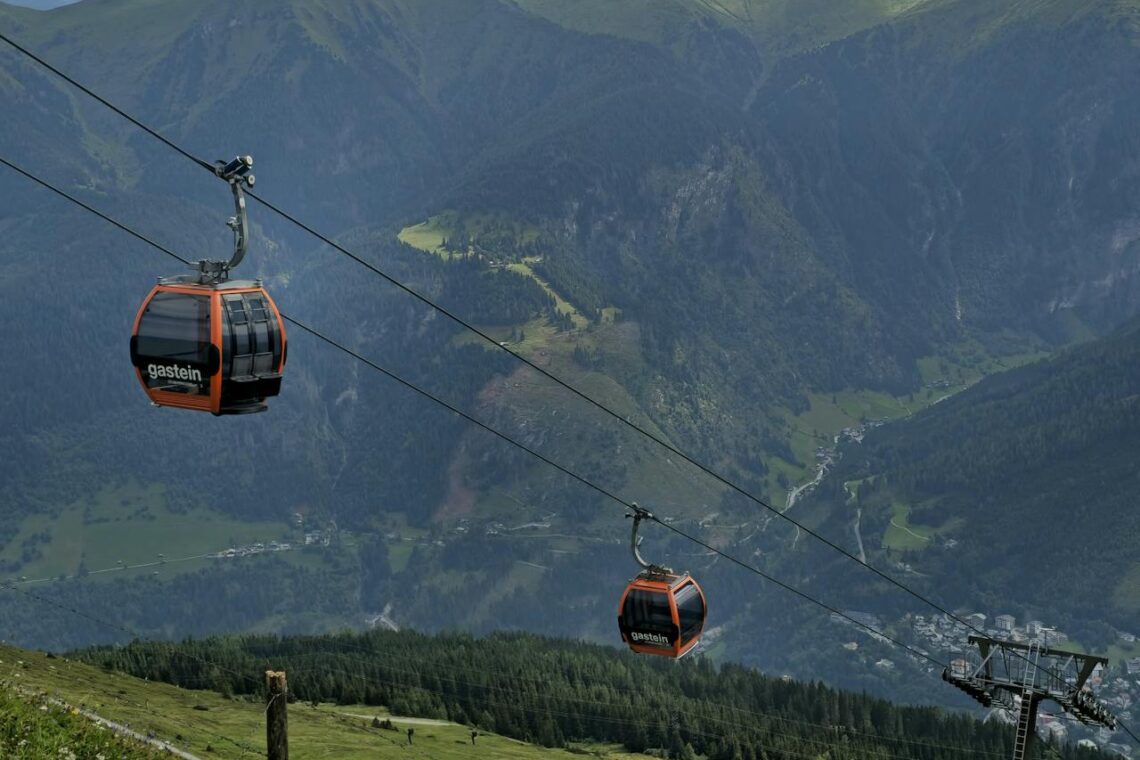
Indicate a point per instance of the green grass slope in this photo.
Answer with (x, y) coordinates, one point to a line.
(33, 727)
(207, 724)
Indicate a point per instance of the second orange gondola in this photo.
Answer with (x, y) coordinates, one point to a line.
(661, 612)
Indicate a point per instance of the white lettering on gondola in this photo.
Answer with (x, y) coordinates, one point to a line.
(650, 638)
(174, 372)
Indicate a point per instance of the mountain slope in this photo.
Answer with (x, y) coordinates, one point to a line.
(742, 234)
(1032, 474)
(206, 723)
(776, 28)
(703, 222)
(980, 185)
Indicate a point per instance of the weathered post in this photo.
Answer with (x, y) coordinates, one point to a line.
(276, 726)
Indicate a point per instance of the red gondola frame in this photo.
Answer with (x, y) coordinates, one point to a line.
(648, 642)
(212, 402)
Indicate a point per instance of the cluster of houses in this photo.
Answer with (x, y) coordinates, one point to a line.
(944, 633)
(312, 538)
(251, 549)
(317, 538)
(1117, 688)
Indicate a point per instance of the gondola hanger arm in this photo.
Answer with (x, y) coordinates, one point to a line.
(638, 515)
(236, 173)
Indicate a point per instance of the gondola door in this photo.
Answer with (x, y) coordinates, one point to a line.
(175, 347)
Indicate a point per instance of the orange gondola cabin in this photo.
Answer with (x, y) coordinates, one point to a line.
(661, 612)
(204, 342)
(213, 347)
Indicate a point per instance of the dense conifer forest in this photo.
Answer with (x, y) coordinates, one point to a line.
(552, 691)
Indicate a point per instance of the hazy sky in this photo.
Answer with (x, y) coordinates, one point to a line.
(42, 5)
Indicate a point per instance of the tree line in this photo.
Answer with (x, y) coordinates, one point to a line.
(552, 691)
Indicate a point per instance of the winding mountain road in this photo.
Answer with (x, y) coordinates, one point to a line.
(795, 493)
(859, 535)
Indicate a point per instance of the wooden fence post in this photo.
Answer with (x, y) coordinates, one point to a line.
(276, 726)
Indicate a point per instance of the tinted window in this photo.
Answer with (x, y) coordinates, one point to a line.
(254, 346)
(691, 611)
(174, 342)
(235, 305)
(258, 309)
(648, 611)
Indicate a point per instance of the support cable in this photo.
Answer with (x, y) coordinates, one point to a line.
(489, 339)
(484, 426)
(492, 342)
(496, 344)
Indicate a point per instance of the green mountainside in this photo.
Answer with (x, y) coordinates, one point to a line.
(775, 27)
(744, 225)
(28, 732)
(1026, 482)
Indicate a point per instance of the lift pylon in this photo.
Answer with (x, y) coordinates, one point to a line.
(1018, 677)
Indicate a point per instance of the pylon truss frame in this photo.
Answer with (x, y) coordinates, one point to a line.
(1007, 671)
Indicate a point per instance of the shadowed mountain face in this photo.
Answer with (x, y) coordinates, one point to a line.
(954, 159)
(741, 207)
(1022, 490)
(898, 186)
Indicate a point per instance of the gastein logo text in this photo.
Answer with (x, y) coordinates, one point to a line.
(649, 638)
(174, 372)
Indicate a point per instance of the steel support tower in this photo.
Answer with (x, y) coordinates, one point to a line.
(1018, 677)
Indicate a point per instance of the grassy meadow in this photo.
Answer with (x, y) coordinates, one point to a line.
(208, 724)
(125, 529)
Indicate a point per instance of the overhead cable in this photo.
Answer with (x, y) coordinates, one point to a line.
(519, 357)
(491, 341)
(488, 428)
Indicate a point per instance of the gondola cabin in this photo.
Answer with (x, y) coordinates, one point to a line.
(216, 347)
(662, 614)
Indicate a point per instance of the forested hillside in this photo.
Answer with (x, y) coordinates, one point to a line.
(1026, 481)
(742, 225)
(552, 691)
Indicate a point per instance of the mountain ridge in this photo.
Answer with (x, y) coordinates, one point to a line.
(745, 239)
